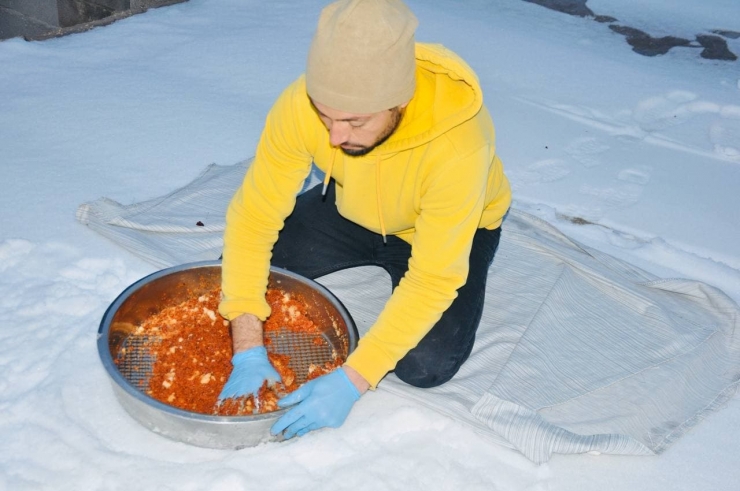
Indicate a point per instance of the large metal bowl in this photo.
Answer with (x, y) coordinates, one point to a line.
(174, 285)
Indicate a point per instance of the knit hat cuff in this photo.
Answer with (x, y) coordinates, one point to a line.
(360, 103)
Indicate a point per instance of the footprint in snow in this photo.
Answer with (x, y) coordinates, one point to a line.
(724, 133)
(546, 170)
(626, 191)
(659, 113)
(620, 196)
(587, 150)
(635, 175)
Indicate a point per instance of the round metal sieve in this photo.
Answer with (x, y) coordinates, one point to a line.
(130, 373)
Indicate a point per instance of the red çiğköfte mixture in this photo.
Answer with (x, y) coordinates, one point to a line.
(191, 348)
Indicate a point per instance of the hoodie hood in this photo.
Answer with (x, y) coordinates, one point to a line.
(447, 94)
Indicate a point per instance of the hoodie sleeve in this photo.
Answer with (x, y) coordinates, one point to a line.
(451, 207)
(258, 210)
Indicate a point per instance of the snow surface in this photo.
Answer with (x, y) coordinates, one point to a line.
(645, 149)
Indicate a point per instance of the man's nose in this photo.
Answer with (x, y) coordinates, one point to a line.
(339, 133)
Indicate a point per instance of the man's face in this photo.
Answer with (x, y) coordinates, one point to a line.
(357, 134)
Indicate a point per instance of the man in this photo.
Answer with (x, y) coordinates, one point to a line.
(413, 184)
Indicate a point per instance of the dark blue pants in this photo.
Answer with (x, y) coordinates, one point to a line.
(316, 241)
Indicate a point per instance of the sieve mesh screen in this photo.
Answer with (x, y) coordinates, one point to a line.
(135, 361)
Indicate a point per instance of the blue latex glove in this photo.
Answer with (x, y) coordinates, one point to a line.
(251, 369)
(325, 401)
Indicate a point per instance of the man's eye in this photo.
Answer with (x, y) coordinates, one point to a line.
(356, 124)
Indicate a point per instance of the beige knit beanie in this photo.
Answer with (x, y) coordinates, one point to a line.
(362, 56)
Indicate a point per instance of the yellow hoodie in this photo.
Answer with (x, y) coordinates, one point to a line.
(433, 183)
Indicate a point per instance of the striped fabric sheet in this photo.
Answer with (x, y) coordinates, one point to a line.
(577, 351)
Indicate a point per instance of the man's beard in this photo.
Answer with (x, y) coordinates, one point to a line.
(387, 132)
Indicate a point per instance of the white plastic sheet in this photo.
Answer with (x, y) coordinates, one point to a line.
(577, 351)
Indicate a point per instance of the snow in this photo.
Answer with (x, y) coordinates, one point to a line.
(646, 149)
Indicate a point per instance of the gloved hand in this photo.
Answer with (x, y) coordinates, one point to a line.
(251, 369)
(325, 401)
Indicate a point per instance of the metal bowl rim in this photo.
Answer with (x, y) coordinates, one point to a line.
(112, 370)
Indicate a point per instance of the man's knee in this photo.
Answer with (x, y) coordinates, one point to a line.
(425, 370)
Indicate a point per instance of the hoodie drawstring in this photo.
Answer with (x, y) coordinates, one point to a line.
(380, 200)
(327, 178)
